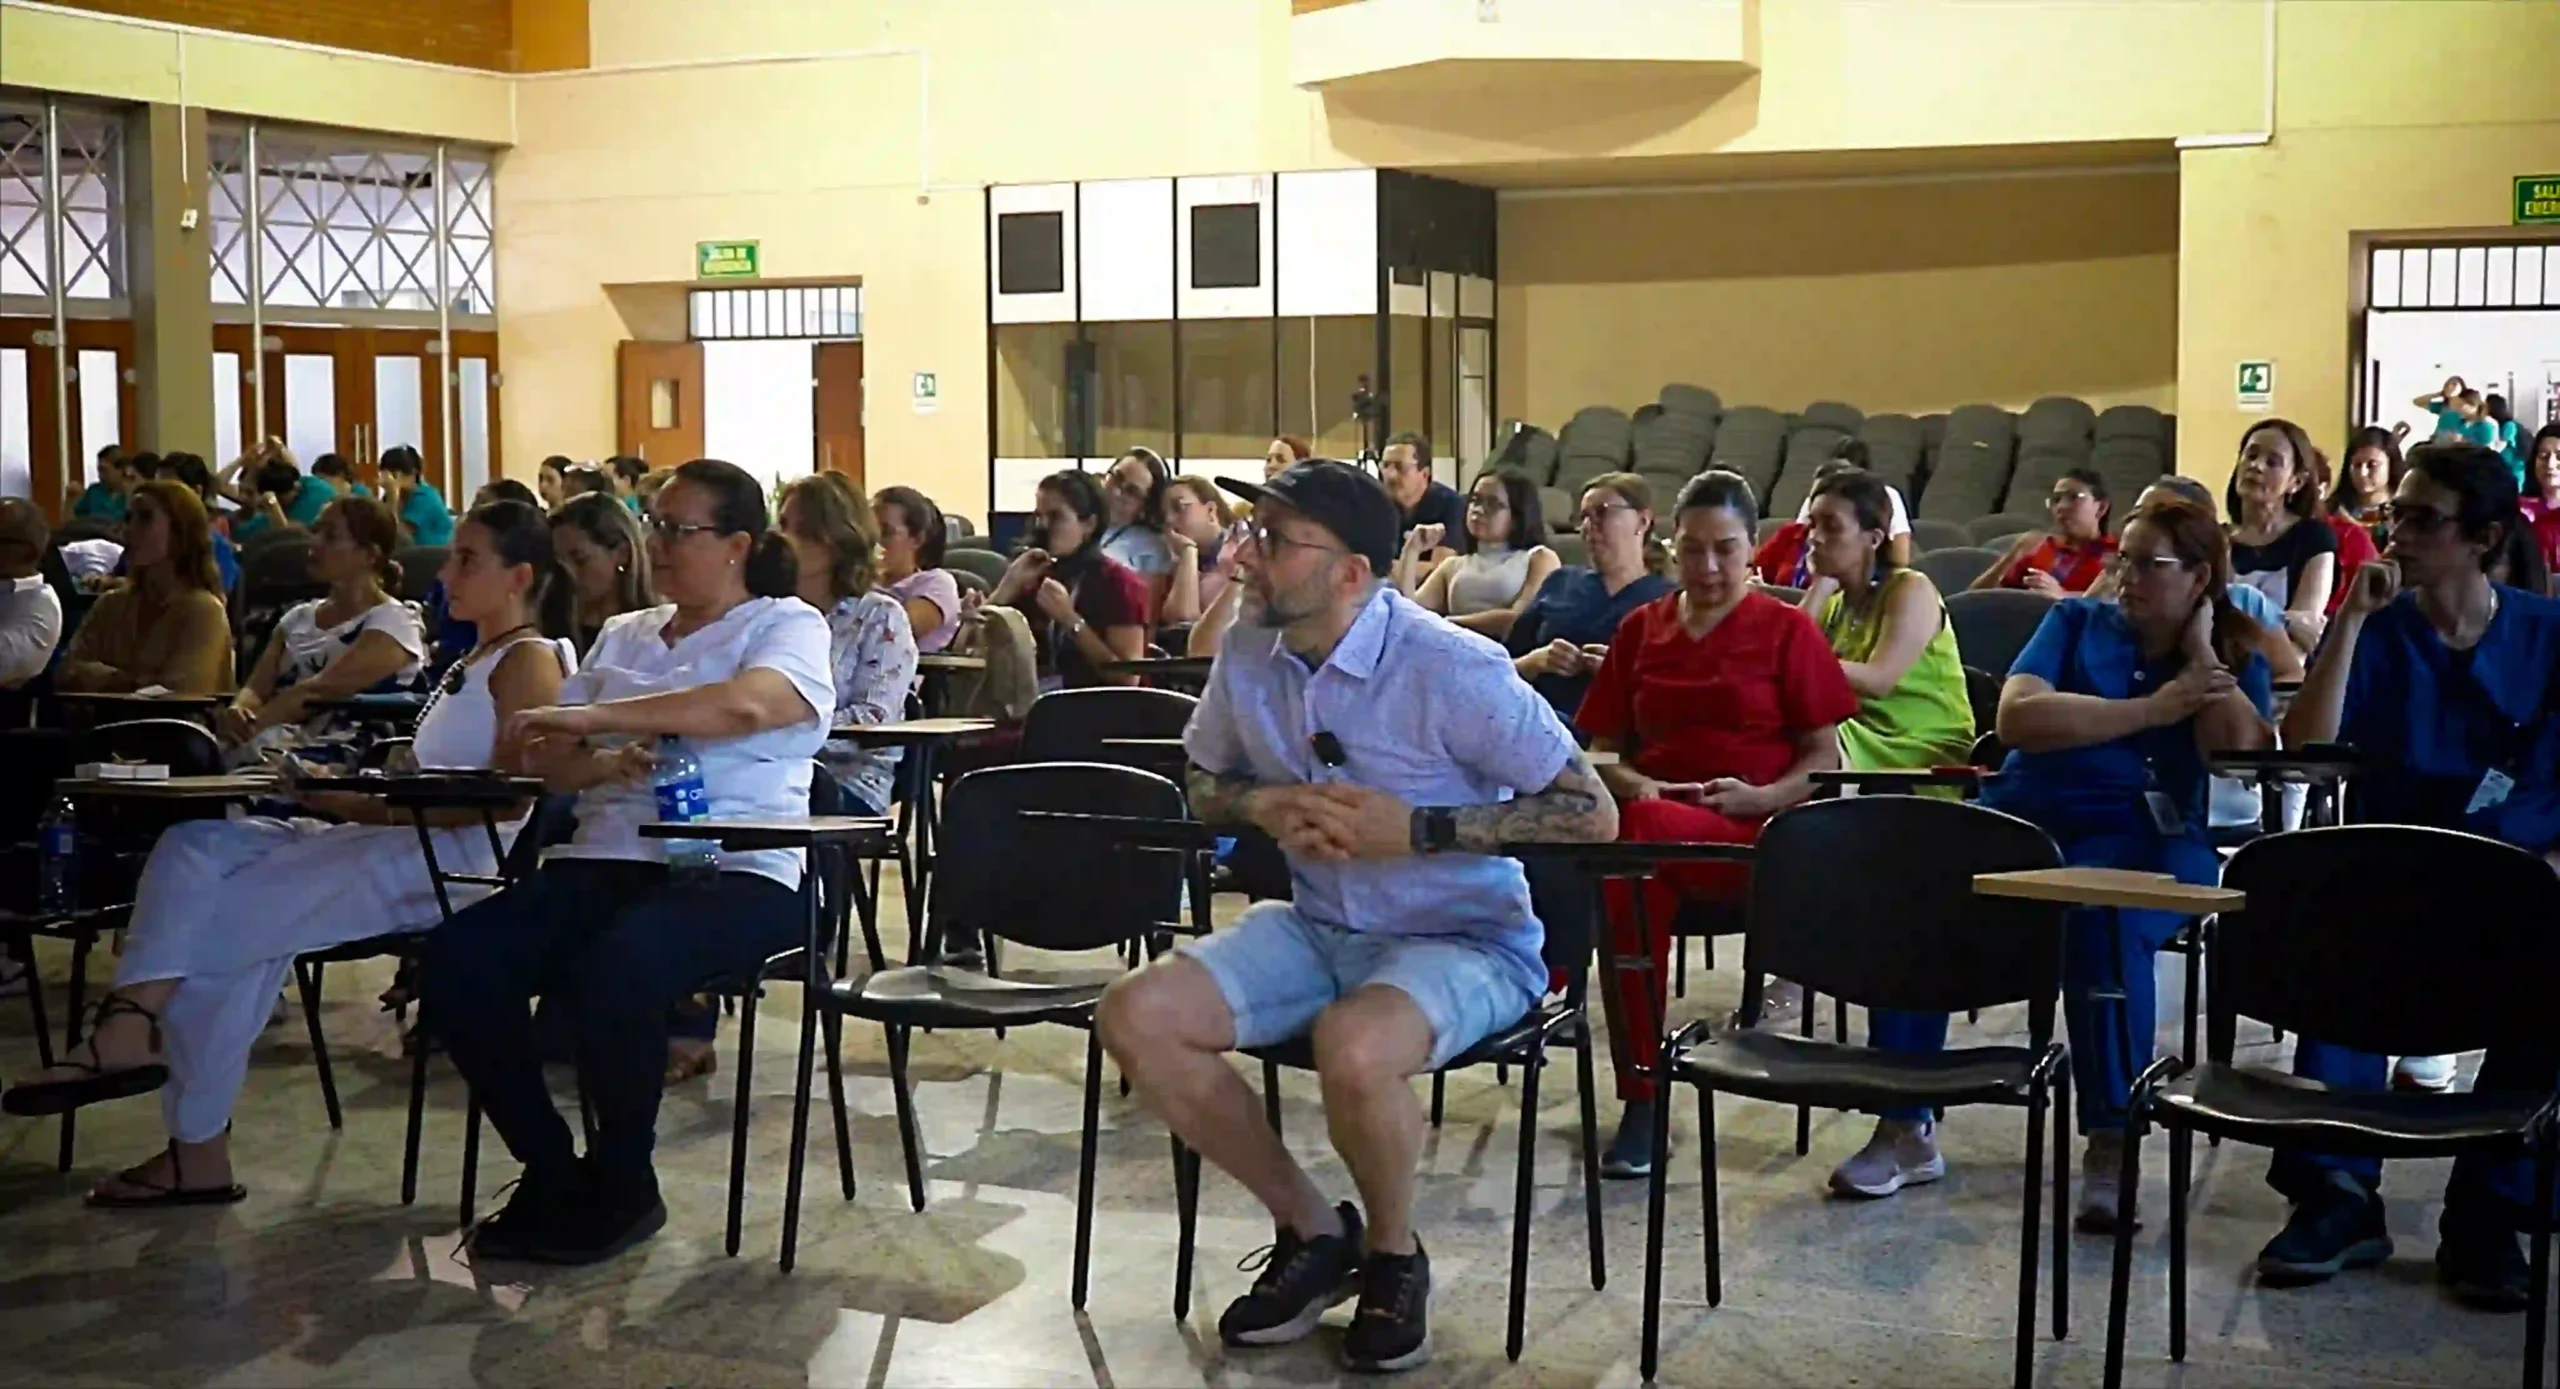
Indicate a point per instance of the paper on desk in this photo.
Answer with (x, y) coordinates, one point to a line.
(154, 691)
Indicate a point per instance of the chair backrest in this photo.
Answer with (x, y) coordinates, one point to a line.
(1808, 448)
(1928, 533)
(1070, 725)
(1571, 548)
(1993, 625)
(1836, 415)
(186, 749)
(1672, 445)
(1752, 440)
(1952, 569)
(1050, 884)
(2389, 938)
(1985, 530)
(1681, 398)
(2057, 419)
(968, 582)
(2129, 422)
(1905, 929)
(2040, 466)
(1895, 448)
(986, 564)
(959, 525)
(1982, 691)
(418, 567)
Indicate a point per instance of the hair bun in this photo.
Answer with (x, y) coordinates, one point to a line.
(773, 571)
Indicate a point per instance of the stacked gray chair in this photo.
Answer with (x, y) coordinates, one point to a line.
(1972, 471)
(1952, 569)
(1598, 439)
(2132, 450)
(1929, 533)
(1808, 448)
(1692, 400)
(1528, 451)
(2129, 422)
(2053, 439)
(1895, 448)
(1833, 414)
(1671, 448)
(1752, 441)
(1999, 531)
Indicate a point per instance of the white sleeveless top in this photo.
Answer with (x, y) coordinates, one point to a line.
(459, 727)
(1487, 579)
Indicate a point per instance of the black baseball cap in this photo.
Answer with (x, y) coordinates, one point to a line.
(1340, 498)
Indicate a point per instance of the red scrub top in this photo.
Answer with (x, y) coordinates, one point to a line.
(1730, 704)
(2075, 567)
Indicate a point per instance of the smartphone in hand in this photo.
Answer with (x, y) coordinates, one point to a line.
(1686, 792)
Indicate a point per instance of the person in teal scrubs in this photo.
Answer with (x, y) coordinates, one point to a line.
(423, 514)
(335, 468)
(104, 499)
(311, 496)
(2504, 435)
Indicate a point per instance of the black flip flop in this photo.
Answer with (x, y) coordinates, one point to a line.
(40, 1098)
(158, 1197)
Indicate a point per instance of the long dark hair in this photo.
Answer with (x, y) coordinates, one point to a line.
(2198, 540)
(737, 508)
(1159, 477)
(2480, 477)
(2344, 496)
(1528, 520)
(520, 534)
(1865, 495)
(924, 522)
(2304, 499)
(1083, 496)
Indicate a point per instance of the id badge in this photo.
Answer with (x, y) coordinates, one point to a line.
(2493, 789)
(2164, 813)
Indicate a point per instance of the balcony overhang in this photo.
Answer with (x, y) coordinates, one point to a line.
(1417, 47)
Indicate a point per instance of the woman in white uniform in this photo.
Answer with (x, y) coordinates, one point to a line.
(345, 644)
(224, 906)
(734, 670)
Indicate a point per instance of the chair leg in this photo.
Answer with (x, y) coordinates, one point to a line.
(1271, 1094)
(417, 1118)
(747, 1011)
(71, 1037)
(1657, 1188)
(834, 1024)
(1439, 1094)
(2031, 1234)
(1591, 1157)
(1186, 1210)
(907, 1135)
(1680, 964)
(2181, 1155)
(1523, 1183)
(2195, 1005)
(2120, 1282)
(306, 978)
(2061, 1221)
(1707, 1195)
(1804, 1113)
(799, 1127)
(1084, 1164)
(2538, 1282)
(470, 1157)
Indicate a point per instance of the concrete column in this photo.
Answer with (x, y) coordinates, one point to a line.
(169, 260)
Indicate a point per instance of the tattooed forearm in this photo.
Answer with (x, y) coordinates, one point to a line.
(1576, 809)
(1217, 798)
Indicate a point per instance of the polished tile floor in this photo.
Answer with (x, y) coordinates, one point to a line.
(323, 1277)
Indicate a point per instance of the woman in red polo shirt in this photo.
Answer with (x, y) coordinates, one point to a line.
(1720, 702)
(2069, 557)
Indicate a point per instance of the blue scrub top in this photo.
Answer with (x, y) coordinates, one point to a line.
(2438, 720)
(2085, 646)
(1575, 606)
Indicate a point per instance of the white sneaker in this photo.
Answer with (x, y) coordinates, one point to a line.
(2101, 1178)
(1902, 1152)
(2430, 1073)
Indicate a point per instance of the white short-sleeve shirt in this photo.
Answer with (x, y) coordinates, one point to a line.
(309, 647)
(763, 776)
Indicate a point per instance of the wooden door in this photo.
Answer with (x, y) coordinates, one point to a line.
(104, 405)
(659, 403)
(840, 408)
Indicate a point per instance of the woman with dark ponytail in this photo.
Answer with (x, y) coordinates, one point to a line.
(1086, 608)
(730, 675)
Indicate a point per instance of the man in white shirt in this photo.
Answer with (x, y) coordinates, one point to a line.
(30, 614)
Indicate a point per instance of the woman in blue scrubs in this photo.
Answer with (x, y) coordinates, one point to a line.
(2438, 685)
(2111, 711)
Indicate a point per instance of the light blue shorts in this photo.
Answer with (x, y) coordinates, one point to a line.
(1278, 970)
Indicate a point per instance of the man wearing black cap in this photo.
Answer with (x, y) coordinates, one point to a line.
(1391, 755)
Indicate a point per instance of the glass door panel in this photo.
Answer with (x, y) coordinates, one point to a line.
(227, 411)
(399, 408)
(471, 412)
(99, 380)
(17, 441)
(310, 405)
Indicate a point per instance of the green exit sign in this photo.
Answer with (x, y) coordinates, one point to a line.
(2537, 199)
(724, 260)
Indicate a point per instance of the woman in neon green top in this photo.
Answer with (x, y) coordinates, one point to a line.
(1889, 628)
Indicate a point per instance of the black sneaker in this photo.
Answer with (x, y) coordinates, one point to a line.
(1392, 1329)
(2325, 1235)
(1301, 1280)
(537, 1212)
(1630, 1153)
(602, 1226)
(2485, 1269)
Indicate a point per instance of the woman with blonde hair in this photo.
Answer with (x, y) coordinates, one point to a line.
(165, 625)
(1199, 528)
(603, 564)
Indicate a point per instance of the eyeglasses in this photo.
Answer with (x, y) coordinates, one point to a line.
(2400, 517)
(1487, 505)
(1598, 515)
(666, 529)
(2070, 496)
(1271, 542)
(2132, 565)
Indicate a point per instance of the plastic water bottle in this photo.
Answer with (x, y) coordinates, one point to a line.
(682, 800)
(58, 855)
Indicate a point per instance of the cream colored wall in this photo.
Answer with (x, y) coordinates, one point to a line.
(2367, 141)
(1910, 296)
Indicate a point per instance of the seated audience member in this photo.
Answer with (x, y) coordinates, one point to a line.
(454, 637)
(2109, 713)
(582, 479)
(144, 465)
(2365, 484)
(2506, 437)
(104, 500)
(2540, 505)
(191, 471)
(164, 625)
(1391, 757)
(2453, 408)
(358, 639)
(1085, 608)
(2278, 544)
(1133, 498)
(1784, 560)
(1423, 502)
(1853, 451)
(415, 501)
(30, 611)
(913, 536)
(1200, 530)
(1504, 564)
(224, 906)
(604, 565)
(551, 481)
(505, 489)
(2069, 557)
(1561, 639)
(1720, 701)
(275, 488)
(334, 470)
(1889, 628)
(1286, 451)
(733, 669)
(2444, 686)
(628, 474)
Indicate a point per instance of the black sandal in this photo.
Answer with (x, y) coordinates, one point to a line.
(176, 1193)
(37, 1099)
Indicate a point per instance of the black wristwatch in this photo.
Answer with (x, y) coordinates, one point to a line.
(1435, 829)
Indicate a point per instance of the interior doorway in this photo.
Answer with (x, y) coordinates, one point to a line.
(2488, 313)
(102, 410)
(770, 379)
(357, 392)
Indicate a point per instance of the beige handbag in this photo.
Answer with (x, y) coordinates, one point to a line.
(1005, 689)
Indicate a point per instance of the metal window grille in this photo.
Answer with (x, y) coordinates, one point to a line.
(775, 311)
(92, 155)
(2466, 277)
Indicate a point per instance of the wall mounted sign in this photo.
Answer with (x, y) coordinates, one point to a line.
(2257, 385)
(724, 260)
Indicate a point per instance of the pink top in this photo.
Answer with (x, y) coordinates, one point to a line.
(935, 586)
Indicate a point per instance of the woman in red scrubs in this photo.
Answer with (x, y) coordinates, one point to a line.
(1720, 702)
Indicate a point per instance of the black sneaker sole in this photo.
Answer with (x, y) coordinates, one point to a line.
(1297, 1328)
(2294, 1273)
(649, 1222)
(1412, 1359)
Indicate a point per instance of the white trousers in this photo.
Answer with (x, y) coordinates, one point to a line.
(224, 907)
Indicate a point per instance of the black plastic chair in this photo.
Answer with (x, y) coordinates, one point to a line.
(1993, 624)
(2356, 935)
(1072, 725)
(1982, 691)
(1062, 885)
(1929, 944)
